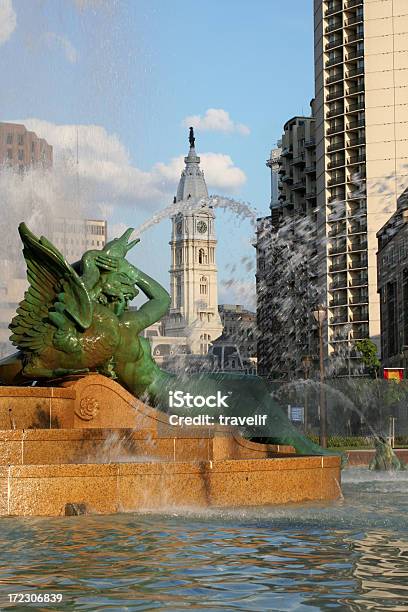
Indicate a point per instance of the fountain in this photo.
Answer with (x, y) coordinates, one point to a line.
(88, 419)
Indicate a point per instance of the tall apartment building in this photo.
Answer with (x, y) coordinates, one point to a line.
(361, 110)
(286, 259)
(21, 148)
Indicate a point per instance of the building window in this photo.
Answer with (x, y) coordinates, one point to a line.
(202, 256)
(203, 285)
(178, 292)
(21, 154)
(9, 154)
(205, 340)
(20, 139)
(9, 138)
(179, 257)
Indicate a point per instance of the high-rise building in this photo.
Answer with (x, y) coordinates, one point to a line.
(361, 110)
(193, 272)
(75, 236)
(22, 149)
(286, 259)
(392, 261)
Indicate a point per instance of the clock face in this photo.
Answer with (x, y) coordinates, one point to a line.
(201, 227)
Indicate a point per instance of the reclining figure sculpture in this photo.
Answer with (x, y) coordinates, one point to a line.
(76, 319)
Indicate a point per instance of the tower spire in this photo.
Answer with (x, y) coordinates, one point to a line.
(192, 185)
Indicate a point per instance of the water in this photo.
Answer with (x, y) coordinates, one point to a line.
(348, 555)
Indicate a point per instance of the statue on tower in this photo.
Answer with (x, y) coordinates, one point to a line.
(191, 138)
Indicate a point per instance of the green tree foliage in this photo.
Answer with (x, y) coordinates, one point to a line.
(369, 356)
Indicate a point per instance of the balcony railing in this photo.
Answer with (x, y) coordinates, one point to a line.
(338, 303)
(336, 180)
(358, 281)
(336, 25)
(357, 228)
(356, 88)
(310, 169)
(336, 163)
(357, 123)
(336, 8)
(355, 36)
(355, 106)
(356, 142)
(355, 71)
(361, 298)
(353, 20)
(335, 95)
(358, 245)
(353, 3)
(300, 159)
(335, 146)
(338, 285)
(332, 44)
(357, 159)
(310, 143)
(287, 151)
(335, 129)
(336, 76)
(337, 59)
(337, 230)
(337, 249)
(358, 263)
(299, 185)
(334, 111)
(354, 54)
(287, 179)
(338, 267)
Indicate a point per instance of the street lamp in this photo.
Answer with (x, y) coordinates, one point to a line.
(320, 315)
(306, 363)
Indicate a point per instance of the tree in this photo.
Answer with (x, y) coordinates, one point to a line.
(369, 356)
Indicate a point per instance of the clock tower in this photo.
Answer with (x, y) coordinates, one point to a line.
(193, 272)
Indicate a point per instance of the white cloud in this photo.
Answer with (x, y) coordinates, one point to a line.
(219, 171)
(107, 178)
(67, 47)
(235, 291)
(216, 120)
(8, 20)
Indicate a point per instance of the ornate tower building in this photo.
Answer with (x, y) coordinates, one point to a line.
(193, 273)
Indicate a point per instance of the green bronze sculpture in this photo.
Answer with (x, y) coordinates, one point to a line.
(76, 319)
(385, 459)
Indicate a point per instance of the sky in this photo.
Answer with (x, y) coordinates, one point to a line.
(127, 77)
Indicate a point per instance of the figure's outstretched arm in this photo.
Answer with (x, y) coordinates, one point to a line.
(158, 304)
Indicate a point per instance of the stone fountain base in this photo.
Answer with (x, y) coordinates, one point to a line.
(89, 444)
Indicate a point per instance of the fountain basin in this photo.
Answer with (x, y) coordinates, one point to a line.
(58, 451)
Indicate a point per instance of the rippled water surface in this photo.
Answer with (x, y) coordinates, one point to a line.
(349, 555)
